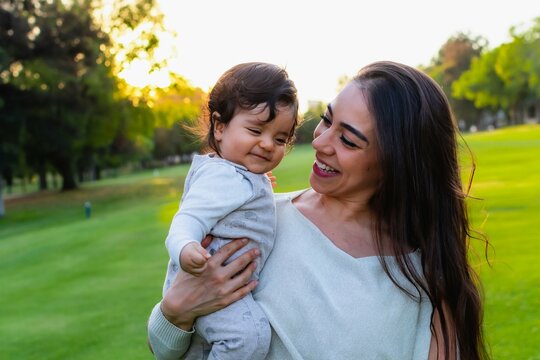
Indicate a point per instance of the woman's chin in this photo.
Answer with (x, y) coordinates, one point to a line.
(315, 183)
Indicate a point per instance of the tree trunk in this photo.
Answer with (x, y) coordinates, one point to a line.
(66, 171)
(8, 176)
(42, 173)
(55, 180)
(80, 174)
(97, 172)
(2, 207)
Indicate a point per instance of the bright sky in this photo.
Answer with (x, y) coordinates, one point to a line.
(319, 41)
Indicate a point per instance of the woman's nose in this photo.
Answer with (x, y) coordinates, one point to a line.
(321, 139)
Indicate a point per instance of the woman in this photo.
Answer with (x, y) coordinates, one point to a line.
(371, 261)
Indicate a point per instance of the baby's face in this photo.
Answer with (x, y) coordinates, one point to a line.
(252, 141)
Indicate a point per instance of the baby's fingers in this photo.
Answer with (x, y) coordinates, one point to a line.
(198, 270)
(200, 258)
(202, 251)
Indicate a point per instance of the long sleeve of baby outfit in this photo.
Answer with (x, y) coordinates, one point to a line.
(212, 191)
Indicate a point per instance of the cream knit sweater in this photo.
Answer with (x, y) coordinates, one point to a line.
(322, 303)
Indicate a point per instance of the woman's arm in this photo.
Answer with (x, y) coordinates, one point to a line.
(191, 296)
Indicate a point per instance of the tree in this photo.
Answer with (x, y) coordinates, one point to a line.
(454, 58)
(10, 122)
(518, 66)
(9, 145)
(311, 118)
(52, 60)
(177, 108)
(134, 27)
(533, 37)
(2, 207)
(480, 83)
(58, 83)
(505, 77)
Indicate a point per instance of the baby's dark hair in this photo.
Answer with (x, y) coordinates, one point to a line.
(246, 86)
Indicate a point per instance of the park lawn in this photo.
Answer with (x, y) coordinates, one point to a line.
(507, 181)
(74, 288)
(83, 288)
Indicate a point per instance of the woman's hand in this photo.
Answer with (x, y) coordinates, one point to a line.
(216, 287)
(272, 178)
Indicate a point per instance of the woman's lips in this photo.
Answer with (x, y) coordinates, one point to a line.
(323, 170)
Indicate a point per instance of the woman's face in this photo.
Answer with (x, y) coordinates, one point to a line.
(346, 164)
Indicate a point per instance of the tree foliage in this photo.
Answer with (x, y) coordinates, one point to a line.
(452, 60)
(310, 120)
(52, 55)
(177, 108)
(505, 77)
(62, 104)
(480, 83)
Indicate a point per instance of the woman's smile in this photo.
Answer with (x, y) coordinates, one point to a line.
(323, 170)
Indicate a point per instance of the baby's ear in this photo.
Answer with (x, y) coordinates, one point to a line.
(216, 117)
(218, 125)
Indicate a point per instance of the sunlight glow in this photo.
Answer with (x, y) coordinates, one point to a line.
(318, 41)
(138, 74)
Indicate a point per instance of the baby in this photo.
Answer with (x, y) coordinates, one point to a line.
(251, 116)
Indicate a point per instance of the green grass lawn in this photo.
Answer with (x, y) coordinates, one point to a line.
(508, 180)
(76, 288)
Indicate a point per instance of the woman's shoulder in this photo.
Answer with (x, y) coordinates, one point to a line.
(287, 197)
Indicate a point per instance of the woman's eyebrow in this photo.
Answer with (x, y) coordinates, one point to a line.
(356, 132)
(348, 127)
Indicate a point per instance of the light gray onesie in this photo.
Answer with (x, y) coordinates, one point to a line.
(225, 200)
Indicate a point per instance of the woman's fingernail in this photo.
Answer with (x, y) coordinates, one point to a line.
(244, 241)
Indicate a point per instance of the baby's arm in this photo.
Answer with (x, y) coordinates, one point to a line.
(193, 258)
(214, 192)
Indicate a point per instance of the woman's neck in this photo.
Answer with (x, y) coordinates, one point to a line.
(340, 209)
(348, 224)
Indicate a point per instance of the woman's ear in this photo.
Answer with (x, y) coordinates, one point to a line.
(218, 126)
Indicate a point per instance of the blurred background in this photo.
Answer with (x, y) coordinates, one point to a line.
(87, 87)
(93, 152)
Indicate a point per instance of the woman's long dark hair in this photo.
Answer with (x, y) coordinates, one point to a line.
(420, 203)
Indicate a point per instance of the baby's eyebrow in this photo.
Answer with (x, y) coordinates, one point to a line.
(284, 133)
(257, 121)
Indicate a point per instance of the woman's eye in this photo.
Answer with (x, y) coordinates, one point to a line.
(281, 141)
(347, 142)
(255, 131)
(326, 120)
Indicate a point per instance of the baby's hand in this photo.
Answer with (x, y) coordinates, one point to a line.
(193, 258)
